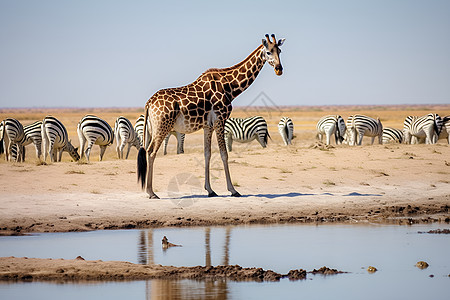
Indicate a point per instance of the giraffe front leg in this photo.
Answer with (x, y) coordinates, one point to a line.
(207, 131)
(224, 155)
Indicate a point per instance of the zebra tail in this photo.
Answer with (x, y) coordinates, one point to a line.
(436, 128)
(142, 166)
(2, 138)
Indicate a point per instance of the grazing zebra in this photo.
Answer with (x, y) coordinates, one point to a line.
(12, 134)
(125, 134)
(33, 134)
(329, 125)
(360, 125)
(426, 128)
(286, 130)
(180, 141)
(392, 135)
(55, 139)
(246, 130)
(445, 131)
(139, 127)
(93, 130)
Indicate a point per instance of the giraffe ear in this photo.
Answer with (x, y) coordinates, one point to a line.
(281, 42)
(264, 42)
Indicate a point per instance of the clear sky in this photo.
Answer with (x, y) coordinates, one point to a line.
(104, 53)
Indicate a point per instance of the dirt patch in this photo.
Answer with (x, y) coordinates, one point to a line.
(29, 269)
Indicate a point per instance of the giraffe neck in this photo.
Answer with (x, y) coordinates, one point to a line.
(236, 79)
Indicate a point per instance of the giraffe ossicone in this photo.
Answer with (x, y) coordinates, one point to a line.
(205, 103)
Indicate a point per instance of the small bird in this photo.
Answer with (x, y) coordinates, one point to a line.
(166, 244)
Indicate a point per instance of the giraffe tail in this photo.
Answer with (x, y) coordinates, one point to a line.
(142, 166)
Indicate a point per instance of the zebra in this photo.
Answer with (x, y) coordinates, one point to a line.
(180, 141)
(286, 130)
(55, 139)
(392, 135)
(445, 131)
(246, 130)
(329, 125)
(360, 125)
(93, 130)
(12, 134)
(125, 134)
(33, 134)
(139, 127)
(426, 128)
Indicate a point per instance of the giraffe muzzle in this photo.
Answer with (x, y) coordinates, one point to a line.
(279, 70)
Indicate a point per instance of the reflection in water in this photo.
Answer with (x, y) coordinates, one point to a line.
(179, 289)
(208, 247)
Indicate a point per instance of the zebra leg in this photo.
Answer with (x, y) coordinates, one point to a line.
(121, 147)
(373, 140)
(220, 129)
(60, 154)
(179, 143)
(38, 147)
(119, 143)
(8, 147)
(128, 150)
(229, 142)
(88, 149)
(328, 137)
(102, 151)
(166, 142)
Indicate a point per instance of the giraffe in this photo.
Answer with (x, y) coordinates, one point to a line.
(205, 103)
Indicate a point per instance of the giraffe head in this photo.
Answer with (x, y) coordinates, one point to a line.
(272, 53)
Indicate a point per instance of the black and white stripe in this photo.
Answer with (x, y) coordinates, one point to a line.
(56, 140)
(33, 134)
(125, 135)
(331, 125)
(392, 135)
(246, 130)
(286, 130)
(180, 141)
(93, 130)
(12, 134)
(445, 131)
(139, 127)
(422, 129)
(359, 126)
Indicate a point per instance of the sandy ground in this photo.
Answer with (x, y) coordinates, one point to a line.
(28, 269)
(299, 183)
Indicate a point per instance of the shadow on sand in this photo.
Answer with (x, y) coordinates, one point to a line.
(283, 195)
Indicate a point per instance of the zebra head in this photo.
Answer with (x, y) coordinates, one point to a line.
(272, 53)
(73, 152)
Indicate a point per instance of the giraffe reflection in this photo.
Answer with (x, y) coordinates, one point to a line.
(181, 289)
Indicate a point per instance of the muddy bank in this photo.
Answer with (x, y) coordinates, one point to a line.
(30, 269)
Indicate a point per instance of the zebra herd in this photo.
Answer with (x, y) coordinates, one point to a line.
(92, 130)
(426, 129)
(52, 135)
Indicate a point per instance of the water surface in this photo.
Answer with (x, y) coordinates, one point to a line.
(394, 250)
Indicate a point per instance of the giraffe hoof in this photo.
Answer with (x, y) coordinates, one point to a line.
(236, 194)
(212, 194)
(154, 196)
